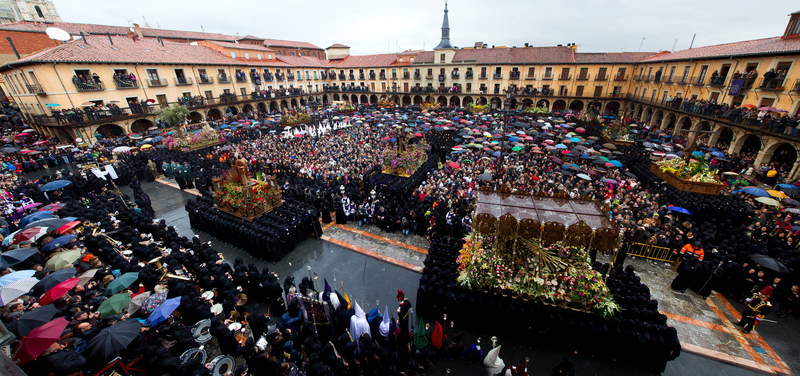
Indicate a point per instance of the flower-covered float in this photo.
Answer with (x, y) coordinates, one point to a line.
(618, 132)
(238, 194)
(193, 137)
(345, 108)
(692, 175)
(295, 119)
(404, 154)
(478, 108)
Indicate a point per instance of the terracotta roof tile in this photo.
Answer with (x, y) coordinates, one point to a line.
(611, 57)
(338, 45)
(253, 47)
(289, 43)
(302, 61)
(765, 46)
(364, 61)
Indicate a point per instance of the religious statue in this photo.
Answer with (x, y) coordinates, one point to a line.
(240, 173)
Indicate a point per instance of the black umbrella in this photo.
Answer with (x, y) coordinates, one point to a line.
(110, 341)
(33, 319)
(50, 223)
(9, 150)
(16, 256)
(769, 263)
(51, 280)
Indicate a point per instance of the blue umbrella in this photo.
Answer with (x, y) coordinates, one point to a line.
(561, 146)
(754, 191)
(575, 139)
(679, 209)
(55, 185)
(162, 312)
(788, 188)
(615, 162)
(16, 276)
(35, 217)
(58, 242)
(698, 154)
(16, 256)
(718, 154)
(496, 154)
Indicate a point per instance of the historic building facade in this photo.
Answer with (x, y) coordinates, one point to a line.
(28, 10)
(171, 66)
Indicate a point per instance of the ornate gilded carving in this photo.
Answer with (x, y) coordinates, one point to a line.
(485, 223)
(552, 232)
(605, 239)
(579, 234)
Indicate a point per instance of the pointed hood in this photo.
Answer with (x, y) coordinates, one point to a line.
(358, 323)
(328, 288)
(492, 362)
(359, 312)
(437, 337)
(334, 301)
(383, 328)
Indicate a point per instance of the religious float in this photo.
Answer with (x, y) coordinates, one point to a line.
(689, 175)
(478, 108)
(291, 120)
(524, 273)
(404, 154)
(238, 194)
(192, 137)
(618, 133)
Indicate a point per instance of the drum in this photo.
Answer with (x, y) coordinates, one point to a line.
(202, 331)
(194, 354)
(222, 365)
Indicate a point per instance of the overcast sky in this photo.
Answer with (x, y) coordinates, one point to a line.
(388, 26)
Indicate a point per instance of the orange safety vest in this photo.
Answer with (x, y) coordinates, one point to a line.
(696, 252)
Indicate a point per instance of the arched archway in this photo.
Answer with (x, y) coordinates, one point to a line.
(725, 138)
(417, 100)
(783, 154)
(442, 101)
(612, 108)
(364, 99)
(648, 114)
(373, 99)
(428, 99)
(639, 111)
(262, 107)
(325, 99)
(141, 126)
(336, 97)
(455, 102)
(273, 107)
(595, 106)
(576, 106)
(284, 105)
(232, 110)
(214, 114)
(406, 100)
(110, 130)
(394, 99)
(483, 101)
(195, 117)
(354, 98)
(248, 108)
(669, 122)
(497, 103)
(559, 105)
(527, 102)
(302, 102)
(293, 103)
(750, 145)
(512, 103)
(684, 125)
(658, 117)
(702, 133)
(543, 103)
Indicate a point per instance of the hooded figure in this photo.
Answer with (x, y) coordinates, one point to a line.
(385, 325)
(358, 323)
(493, 363)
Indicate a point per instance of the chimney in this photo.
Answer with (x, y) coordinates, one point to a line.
(109, 39)
(526, 44)
(83, 36)
(161, 41)
(138, 31)
(13, 47)
(793, 27)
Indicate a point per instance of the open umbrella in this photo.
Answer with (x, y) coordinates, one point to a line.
(87, 276)
(754, 191)
(777, 194)
(58, 291)
(137, 302)
(51, 280)
(55, 185)
(32, 319)
(49, 224)
(110, 341)
(678, 209)
(113, 305)
(62, 260)
(163, 311)
(16, 289)
(39, 339)
(16, 256)
(30, 234)
(16, 276)
(454, 165)
(58, 242)
(584, 176)
(768, 201)
(54, 207)
(35, 217)
(122, 282)
(66, 227)
(769, 262)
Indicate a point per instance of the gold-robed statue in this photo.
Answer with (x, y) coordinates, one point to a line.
(247, 198)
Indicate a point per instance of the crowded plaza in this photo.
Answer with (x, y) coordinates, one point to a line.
(276, 208)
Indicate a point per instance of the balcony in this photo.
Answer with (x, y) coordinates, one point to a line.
(774, 84)
(699, 81)
(241, 78)
(394, 76)
(205, 80)
(482, 77)
(158, 82)
(469, 75)
(583, 77)
(223, 79)
(417, 76)
(564, 77)
(35, 89)
(547, 77)
(406, 76)
(441, 78)
(371, 77)
(183, 81)
(717, 82)
(269, 77)
(638, 77)
(382, 76)
(796, 87)
(497, 76)
(683, 81)
(429, 77)
(89, 86)
(352, 77)
(669, 80)
(363, 77)
(514, 75)
(290, 77)
(620, 77)
(647, 78)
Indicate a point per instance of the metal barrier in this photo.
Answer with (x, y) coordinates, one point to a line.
(652, 252)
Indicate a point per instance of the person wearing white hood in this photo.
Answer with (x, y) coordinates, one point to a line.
(358, 323)
(385, 324)
(493, 363)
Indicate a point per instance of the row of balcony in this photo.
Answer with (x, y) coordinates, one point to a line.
(773, 84)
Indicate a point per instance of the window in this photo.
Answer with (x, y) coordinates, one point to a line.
(162, 99)
(152, 74)
(243, 91)
(469, 87)
(39, 11)
(601, 74)
(442, 58)
(548, 72)
(259, 56)
(703, 71)
(483, 72)
(269, 57)
(671, 73)
(233, 55)
(598, 91)
(209, 94)
(562, 90)
(685, 73)
(584, 74)
(531, 72)
(579, 91)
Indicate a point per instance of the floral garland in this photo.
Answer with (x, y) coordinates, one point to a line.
(299, 118)
(478, 108)
(537, 110)
(428, 106)
(696, 170)
(575, 285)
(237, 197)
(404, 163)
(617, 130)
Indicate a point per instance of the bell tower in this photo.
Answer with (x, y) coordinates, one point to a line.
(445, 43)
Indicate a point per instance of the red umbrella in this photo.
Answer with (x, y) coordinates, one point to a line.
(27, 151)
(67, 226)
(454, 165)
(39, 339)
(52, 207)
(151, 101)
(29, 234)
(42, 142)
(58, 291)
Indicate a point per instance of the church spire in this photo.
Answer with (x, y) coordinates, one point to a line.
(445, 43)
